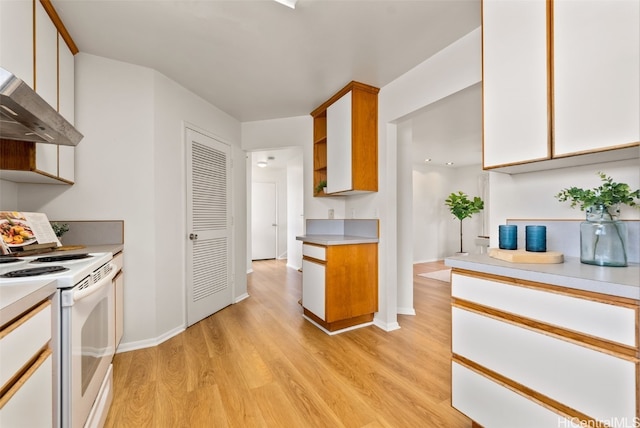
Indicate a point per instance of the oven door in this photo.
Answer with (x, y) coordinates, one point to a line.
(87, 330)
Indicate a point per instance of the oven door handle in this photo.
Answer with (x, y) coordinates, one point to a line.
(107, 280)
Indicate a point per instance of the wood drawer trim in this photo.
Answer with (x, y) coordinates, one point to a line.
(22, 320)
(312, 260)
(24, 376)
(528, 393)
(559, 289)
(597, 344)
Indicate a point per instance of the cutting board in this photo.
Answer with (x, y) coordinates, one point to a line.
(522, 256)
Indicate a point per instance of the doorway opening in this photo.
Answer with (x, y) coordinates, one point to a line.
(276, 205)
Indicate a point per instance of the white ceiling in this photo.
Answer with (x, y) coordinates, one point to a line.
(258, 59)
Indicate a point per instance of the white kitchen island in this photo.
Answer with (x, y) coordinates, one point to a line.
(545, 345)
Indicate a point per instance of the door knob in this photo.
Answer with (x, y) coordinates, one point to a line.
(273, 224)
(193, 236)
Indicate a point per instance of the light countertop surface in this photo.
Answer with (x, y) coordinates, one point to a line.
(16, 299)
(615, 281)
(336, 239)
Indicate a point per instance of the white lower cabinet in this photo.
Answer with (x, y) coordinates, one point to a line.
(26, 370)
(531, 354)
(313, 288)
(30, 405)
(493, 405)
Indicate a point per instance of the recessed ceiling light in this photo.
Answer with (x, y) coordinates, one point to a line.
(262, 164)
(449, 163)
(427, 160)
(288, 3)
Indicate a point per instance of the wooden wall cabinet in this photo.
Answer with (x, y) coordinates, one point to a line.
(29, 162)
(35, 46)
(340, 284)
(537, 355)
(560, 83)
(345, 145)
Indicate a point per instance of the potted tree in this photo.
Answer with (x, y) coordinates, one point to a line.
(603, 238)
(462, 207)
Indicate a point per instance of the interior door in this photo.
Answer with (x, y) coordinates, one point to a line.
(263, 221)
(208, 226)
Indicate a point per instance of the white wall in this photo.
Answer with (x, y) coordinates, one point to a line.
(436, 232)
(8, 195)
(295, 211)
(454, 68)
(531, 195)
(130, 166)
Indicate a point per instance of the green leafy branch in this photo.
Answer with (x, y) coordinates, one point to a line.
(608, 194)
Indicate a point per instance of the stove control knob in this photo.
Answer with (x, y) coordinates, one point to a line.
(193, 236)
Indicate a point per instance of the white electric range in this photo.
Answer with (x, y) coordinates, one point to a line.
(85, 339)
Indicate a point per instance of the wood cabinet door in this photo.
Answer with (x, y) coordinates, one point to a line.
(515, 83)
(596, 66)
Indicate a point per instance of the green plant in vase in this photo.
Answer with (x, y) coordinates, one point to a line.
(462, 207)
(322, 184)
(602, 237)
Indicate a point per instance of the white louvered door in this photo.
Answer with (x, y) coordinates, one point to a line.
(208, 226)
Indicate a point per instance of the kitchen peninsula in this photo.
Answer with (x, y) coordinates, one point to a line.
(340, 273)
(544, 344)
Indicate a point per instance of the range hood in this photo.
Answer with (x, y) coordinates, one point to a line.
(25, 116)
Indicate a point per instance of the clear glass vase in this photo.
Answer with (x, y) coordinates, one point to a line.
(603, 238)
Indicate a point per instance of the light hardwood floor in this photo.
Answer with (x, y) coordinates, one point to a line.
(258, 363)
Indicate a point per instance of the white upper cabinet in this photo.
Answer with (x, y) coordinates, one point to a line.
(515, 82)
(46, 55)
(66, 81)
(16, 39)
(597, 75)
(339, 159)
(561, 83)
(46, 63)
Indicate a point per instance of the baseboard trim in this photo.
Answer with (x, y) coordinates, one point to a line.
(406, 311)
(149, 343)
(241, 297)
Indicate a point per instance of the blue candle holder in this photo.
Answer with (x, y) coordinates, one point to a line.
(536, 238)
(508, 236)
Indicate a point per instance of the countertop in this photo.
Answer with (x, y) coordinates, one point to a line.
(15, 299)
(614, 281)
(336, 239)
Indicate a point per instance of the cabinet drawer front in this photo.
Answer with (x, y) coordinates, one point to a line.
(319, 253)
(594, 383)
(493, 405)
(118, 260)
(313, 288)
(603, 320)
(23, 340)
(31, 404)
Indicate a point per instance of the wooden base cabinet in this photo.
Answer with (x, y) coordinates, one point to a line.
(529, 354)
(340, 284)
